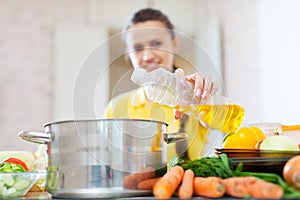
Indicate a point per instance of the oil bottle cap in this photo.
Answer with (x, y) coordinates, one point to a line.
(138, 75)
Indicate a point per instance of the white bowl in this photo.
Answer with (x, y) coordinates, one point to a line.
(17, 184)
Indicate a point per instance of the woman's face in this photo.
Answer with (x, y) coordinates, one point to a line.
(151, 46)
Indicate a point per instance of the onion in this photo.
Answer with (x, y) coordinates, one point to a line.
(279, 142)
(291, 172)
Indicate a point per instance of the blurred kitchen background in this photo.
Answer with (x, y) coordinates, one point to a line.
(43, 45)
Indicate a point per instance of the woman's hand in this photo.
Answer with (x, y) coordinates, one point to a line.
(204, 87)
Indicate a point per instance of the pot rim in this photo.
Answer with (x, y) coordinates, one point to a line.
(102, 119)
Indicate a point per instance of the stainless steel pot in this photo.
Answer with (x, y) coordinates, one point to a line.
(90, 158)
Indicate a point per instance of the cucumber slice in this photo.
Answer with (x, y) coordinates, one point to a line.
(7, 192)
(1, 186)
(22, 184)
(7, 179)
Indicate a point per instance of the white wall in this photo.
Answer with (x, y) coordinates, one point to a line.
(237, 50)
(74, 46)
(26, 67)
(279, 39)
(260, 55)
(115, 13)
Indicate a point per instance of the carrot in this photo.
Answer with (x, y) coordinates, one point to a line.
(238, 186)
(165, 187)
(253, 187)
(131, 181)
(147, 184)
(211, 187)
(262, 189)
(186, 189)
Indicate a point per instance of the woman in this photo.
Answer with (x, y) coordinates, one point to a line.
(151, 44)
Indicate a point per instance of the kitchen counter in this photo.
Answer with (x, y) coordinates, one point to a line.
(45, 195)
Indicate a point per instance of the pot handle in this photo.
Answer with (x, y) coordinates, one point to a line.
(174, 137)
(36, 137)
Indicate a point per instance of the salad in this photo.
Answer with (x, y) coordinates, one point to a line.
(17, 175)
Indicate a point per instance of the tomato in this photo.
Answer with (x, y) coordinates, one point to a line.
(244, 138)
(16, 161)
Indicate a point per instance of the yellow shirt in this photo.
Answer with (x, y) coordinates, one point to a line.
(134, 104)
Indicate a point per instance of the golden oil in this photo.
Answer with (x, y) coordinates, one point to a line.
(223, 117)
(156, 143)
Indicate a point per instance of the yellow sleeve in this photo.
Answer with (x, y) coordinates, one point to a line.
(118, 106)
(109, 111)
(197, 138)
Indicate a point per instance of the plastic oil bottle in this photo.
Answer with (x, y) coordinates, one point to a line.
(172, 90)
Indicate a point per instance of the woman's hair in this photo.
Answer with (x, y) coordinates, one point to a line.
(147, 14)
